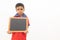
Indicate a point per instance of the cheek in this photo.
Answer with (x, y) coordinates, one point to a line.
(17, 11)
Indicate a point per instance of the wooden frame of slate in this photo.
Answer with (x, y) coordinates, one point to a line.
(18, 24)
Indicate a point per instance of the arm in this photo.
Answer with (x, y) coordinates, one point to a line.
(28, 26)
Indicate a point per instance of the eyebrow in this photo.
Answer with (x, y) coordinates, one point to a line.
(20, 9)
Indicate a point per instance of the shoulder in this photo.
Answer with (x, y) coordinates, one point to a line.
(15, 15)
(24, 15)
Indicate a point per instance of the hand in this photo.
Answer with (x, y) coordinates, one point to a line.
(8, 32)
(26, 32)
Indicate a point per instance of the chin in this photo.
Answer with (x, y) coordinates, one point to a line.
(20, 13)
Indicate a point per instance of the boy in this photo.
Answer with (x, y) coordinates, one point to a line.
(19, 35)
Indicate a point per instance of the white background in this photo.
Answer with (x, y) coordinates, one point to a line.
(44, 16)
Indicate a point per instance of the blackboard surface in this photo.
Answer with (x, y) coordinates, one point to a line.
(17, 24)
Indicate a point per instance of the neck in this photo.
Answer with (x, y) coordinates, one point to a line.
(20, 14)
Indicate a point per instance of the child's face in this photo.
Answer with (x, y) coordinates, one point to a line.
(20, 10)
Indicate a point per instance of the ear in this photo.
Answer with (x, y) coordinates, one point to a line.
(24, 9)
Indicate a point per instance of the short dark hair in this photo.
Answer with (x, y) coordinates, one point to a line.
(19, 4)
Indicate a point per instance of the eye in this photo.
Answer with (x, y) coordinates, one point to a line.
(17, 9)
(21, 9)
